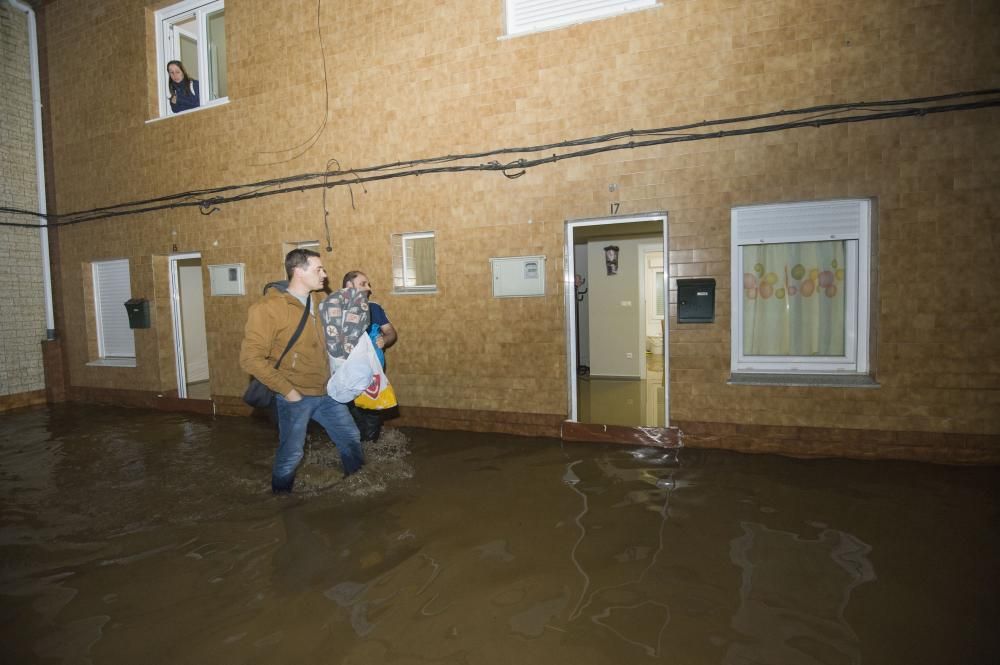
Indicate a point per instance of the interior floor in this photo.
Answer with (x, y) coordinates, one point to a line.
(628, 402)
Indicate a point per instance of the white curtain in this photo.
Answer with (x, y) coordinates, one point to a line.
(420, 252)
(794, 299)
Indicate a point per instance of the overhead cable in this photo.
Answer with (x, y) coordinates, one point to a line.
(819, 116)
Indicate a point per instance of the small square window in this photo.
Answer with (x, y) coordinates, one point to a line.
(192, 33)
(413, 262)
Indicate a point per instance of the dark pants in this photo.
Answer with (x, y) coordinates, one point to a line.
(369, 422)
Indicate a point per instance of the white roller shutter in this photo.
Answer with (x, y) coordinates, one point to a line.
(811, 221)
(111, 289)
(534, 15)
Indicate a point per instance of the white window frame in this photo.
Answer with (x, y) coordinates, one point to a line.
(198, 9)
(527, 16)
(112, 283)
(849, 220)
(399, 282)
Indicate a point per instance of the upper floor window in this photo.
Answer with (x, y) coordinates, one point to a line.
(191, 55)
(413, 262)
(534, 15)
(801, 275)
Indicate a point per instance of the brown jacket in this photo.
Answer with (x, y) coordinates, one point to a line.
(270, 324)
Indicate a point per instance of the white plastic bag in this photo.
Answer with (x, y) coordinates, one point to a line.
(355, 374)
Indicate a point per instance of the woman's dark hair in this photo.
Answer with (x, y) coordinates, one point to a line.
(186, 81)
(349, 277)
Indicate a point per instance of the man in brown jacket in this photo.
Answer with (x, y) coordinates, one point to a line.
(299, 383)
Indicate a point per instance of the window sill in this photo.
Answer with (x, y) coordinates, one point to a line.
(414, 292)
(808, 380)
(218, 102)
(112, 362)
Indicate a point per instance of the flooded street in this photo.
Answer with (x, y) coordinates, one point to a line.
(133, 536)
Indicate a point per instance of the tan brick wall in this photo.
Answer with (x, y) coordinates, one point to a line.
(22, 303)
(422, 79)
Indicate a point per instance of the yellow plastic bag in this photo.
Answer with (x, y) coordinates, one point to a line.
(379, 394)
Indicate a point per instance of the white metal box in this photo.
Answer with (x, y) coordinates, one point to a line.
(518, 276)
(227, 279)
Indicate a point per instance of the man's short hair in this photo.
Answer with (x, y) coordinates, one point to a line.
(349, 277)
(298, 258)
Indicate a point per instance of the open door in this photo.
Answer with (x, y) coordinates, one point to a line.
(187, 300)
(617, 342)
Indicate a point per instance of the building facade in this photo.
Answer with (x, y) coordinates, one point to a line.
(313, 88)
(22, 307)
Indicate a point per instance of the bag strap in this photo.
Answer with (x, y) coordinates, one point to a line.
(298, 331)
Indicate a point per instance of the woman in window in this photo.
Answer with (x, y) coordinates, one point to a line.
(184, 92)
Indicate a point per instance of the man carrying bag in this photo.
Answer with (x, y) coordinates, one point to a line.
(296, 370)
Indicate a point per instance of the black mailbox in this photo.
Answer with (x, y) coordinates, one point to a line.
(696, 300)
(138, 312)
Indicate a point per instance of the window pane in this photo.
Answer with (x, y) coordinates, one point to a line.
(794, 299)
(217, 72)
(419, 260)
(188, 45)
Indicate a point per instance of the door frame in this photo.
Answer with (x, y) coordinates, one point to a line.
(644, 250)
(175, 312)
(569, 297)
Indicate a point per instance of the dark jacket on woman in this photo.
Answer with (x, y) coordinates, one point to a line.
(188, 96)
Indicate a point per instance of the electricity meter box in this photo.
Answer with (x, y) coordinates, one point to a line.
(696, 300)
(227, 279)
(518, 276)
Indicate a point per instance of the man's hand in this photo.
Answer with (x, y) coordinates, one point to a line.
(380, 342)
(388, 336)
(293, 396)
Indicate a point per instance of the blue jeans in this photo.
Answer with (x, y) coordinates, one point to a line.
(293, 419)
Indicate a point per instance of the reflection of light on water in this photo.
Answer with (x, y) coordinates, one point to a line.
(607, 612)
(428, 613)
(658, 456)
(572, 480)
(660, 486)
(354, 597)
(794, 595)
(435, 571)
(533, 621)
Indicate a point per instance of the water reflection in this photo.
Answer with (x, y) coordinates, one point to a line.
(794, 594)
(131, 536)
(623, 608)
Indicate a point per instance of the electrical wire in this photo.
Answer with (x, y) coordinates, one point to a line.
(311, 141)
(824, 110)
(818, 116)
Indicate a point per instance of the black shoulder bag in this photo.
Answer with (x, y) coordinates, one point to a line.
(257, 394)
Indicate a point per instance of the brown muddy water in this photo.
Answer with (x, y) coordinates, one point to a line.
(132, 536)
